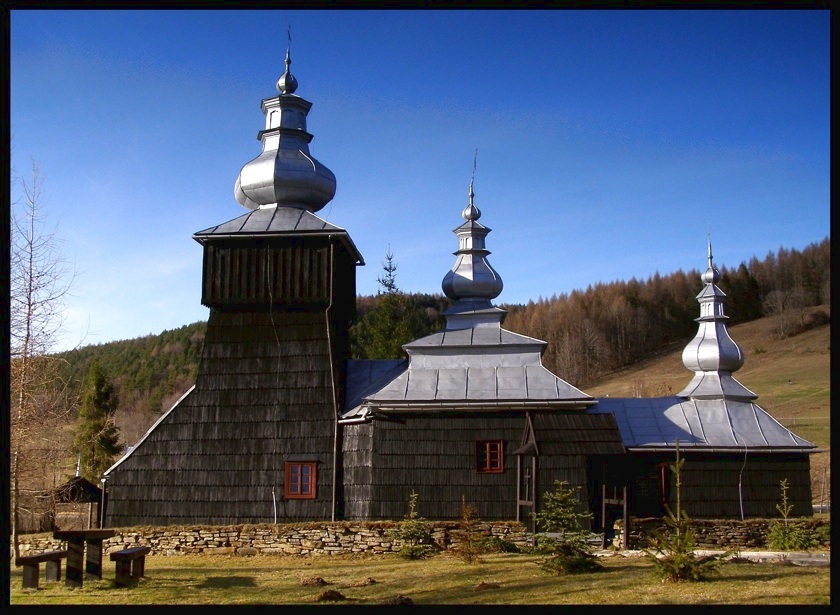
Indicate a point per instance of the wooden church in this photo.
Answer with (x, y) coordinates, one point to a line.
(281, 425)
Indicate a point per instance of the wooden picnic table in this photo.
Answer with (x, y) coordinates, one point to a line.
(80, 564)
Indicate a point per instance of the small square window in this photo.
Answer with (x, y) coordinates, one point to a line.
(489, 456)
(301, 477)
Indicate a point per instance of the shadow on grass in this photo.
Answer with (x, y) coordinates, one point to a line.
(227, 582)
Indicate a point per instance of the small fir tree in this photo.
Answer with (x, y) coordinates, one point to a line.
(787, 535)
(415, 533)
(672, 550)
(567, 548)
(391, 323)
(97, 440)
(471, 542)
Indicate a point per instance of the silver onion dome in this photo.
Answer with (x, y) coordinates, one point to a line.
(285, 174)
(712, 355)
(472, 277)
(287, 84)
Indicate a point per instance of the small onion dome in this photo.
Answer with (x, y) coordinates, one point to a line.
(287, 84)
(711, 275)
(472, 277)
(471, 212)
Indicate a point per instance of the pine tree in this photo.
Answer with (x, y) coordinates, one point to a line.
(97, 437)
(388, 280)
(414, 533)
(672, 551)
(391, 323)
(470, 539)
(567, 549)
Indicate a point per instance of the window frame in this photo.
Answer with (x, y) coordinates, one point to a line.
(485, 453)
(311, 492)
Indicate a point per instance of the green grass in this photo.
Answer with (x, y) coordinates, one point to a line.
(371, 580)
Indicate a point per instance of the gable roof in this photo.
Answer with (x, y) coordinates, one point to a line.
(77, 489)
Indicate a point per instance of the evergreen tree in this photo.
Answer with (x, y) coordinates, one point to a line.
(388, 280)
(414, 533)
(672, 550)
(392, 322)
(567, 549)
(97, 437)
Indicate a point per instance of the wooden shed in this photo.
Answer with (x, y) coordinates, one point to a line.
(77, 504)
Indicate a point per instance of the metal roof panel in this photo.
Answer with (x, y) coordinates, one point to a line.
(481, 383)
(699, 423)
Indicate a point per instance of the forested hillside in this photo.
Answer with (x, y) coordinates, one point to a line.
(609, 326)
(590, 333)
(149, 373)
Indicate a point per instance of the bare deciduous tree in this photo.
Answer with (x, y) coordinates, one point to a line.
(39, 283)
(788, 308)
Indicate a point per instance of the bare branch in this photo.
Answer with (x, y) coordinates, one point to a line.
(41, 409)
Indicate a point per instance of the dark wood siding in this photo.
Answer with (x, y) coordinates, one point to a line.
(566, 442)
(357, 455)
(710, 483)
(277, 271)
(435, 456)
(263, 396)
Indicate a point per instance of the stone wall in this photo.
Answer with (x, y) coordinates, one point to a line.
(714, 533)
(373, 538)
(370, 538)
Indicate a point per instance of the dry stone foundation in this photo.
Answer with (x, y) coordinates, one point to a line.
(373, 538)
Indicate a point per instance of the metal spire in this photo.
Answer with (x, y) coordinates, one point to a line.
(472, 177)
(709, 241)
(711, 275)
(472, 282)
(471, 212)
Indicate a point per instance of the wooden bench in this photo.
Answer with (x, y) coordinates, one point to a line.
(32, 564)
(131, 564)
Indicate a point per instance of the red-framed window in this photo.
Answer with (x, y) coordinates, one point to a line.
(301, 480)
(489, 456)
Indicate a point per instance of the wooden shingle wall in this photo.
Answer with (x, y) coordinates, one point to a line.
(715, 485)
(710, 485)
(263, 396)
(567, 442)
(357, 455)
(435, 456)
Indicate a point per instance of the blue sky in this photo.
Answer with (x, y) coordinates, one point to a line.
(610, 142)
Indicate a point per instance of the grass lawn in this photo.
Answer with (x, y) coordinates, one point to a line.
(509, 578)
